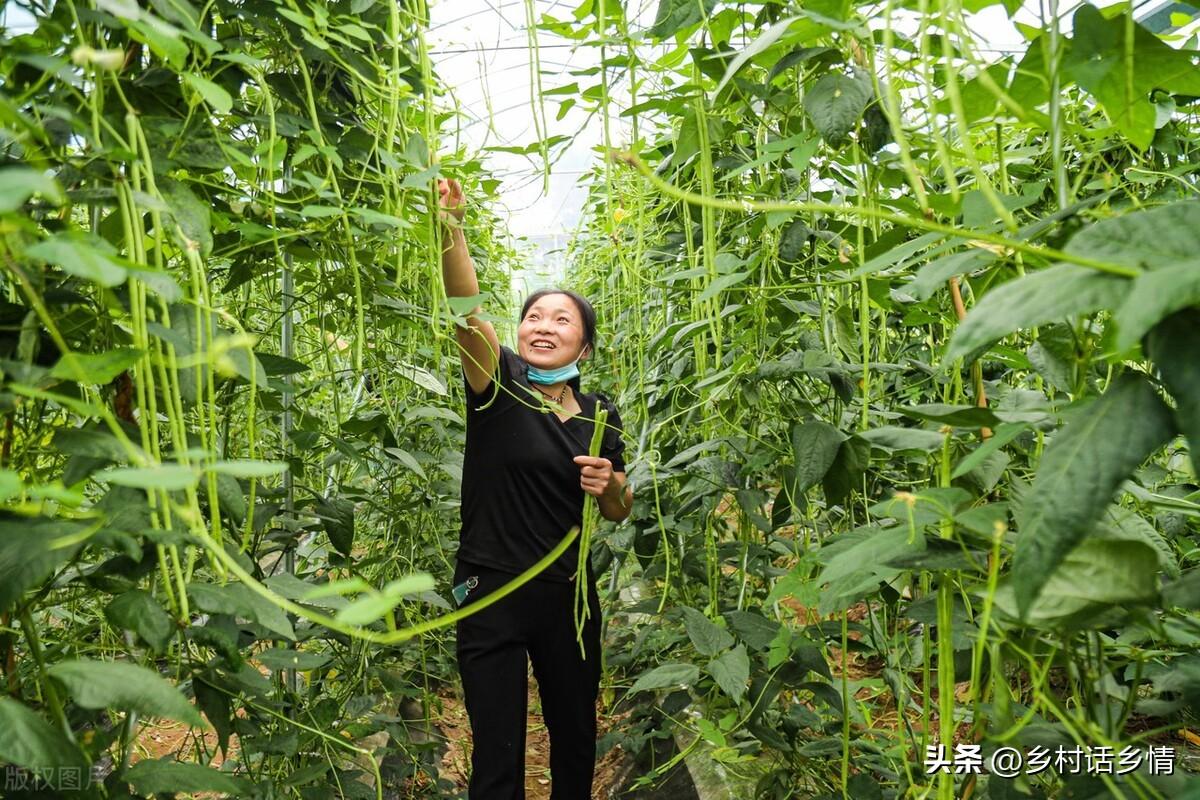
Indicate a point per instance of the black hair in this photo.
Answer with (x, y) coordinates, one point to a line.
(587, 315)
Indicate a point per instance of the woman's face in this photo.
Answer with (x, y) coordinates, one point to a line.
(551, 334)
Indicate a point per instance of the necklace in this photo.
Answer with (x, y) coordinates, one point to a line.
(558, 399)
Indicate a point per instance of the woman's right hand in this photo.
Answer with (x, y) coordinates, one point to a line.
(451, 201)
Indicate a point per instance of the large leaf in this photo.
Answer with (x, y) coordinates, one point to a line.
(169, 477)
(814, 446)
(282, 658)
(216, 705)
(96, 368)
(240, 600)
(1154, 296)
(1156, 238)
(138, 611)
(895, 438)
(731, 671)
(1036, 299)
(29, 741)
(87, 258)
(1125, 524)
(18, 184)
(90, 442)
(1084, 464)
(753, 628)
(1119, 62)
(212, 94)
(761, 42)
(836, 102)
(193, 216)
(846, 472)
(371, 607)
(1096, 576)
(30, 550)
(1174, 344)
(708, 637)
(666, 676)
(123, 686)
(166, 776)
(674, 15)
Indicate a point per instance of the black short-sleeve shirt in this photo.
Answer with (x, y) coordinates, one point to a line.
(520, 486)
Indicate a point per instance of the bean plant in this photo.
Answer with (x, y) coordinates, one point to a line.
(904, 336)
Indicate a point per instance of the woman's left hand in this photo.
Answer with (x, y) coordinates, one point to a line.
(595, 475)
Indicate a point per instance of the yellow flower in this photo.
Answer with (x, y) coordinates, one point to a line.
(619, 215)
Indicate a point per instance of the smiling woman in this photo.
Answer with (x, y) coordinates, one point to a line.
(527, 470)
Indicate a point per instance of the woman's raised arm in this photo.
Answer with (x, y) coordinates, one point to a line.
(479, 346)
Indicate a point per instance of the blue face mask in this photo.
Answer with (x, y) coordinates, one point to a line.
(549, 376)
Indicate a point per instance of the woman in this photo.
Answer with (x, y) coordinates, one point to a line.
(525, 473)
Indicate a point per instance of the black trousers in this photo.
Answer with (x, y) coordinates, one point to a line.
(535, 622)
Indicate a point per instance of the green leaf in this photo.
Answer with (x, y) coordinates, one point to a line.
(247, 468)
(753, 628)
(337, 518)
(30, 552)
(238, 599)
(836, 102)
(1173, 345)
(169, 477)
(84, 257)
(168, 777)
(125, 687)
(845, 474)
(191, 214)
(719, 285)
(731, 671)
(423, 378)
(1125, 524)
(1046, 296)
(666, 676)
(793, 240)
(164, 39)
(372, 607)
(759, 45)
(894, 438)
(213, 94)
(814, 446)
(230, 497)
(89, 442)
(1095, 576)
(96, 368)
(137, 611)
(1120, 63)
(1155, 238)
(675, 15)
(1000, 437)
(10, 484)
(865, 551)
(958, 416)
(1154, 296)
(797, 585)
(707, 637)
(282, 658)
(936, 273)
(1082, 467)
(29, 741)
(158, 282)
(215, 704)
(18, 184)
(278, 365)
